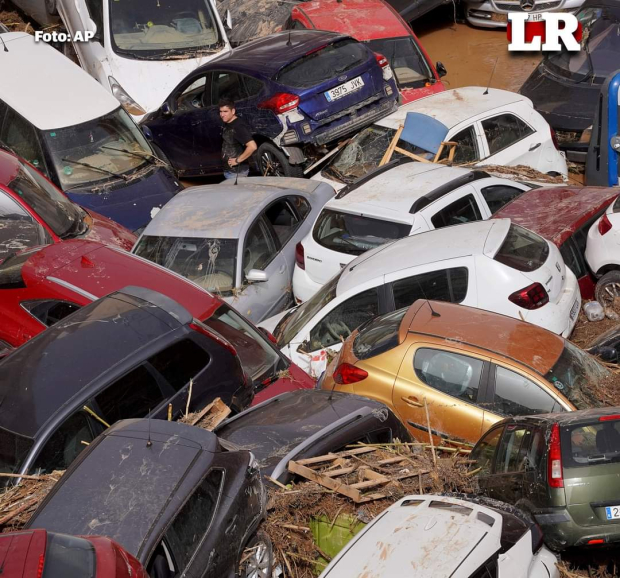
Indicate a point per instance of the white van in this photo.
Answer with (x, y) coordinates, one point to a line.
(142, 49)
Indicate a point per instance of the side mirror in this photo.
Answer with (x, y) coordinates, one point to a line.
(441, 69)
(304, 346)
(228, 20)
(146, 131)
(256, 276)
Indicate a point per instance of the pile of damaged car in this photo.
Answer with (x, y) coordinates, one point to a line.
(284, 296)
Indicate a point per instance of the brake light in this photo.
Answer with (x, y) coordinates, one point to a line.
(596, 541)
(204, 330)
(280, 102)
(609, 417)
(346, 374)
(41, 565)
(604, 225)
(532, 297)
(300, 257)
(554, 139)
(382, 61)
(555, 476)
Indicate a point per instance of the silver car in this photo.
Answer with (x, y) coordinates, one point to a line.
(237, 241)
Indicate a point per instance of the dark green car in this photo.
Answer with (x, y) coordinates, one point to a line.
(562, 468)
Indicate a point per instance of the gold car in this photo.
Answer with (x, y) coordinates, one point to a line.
(470, 367)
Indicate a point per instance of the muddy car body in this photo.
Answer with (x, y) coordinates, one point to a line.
(290, 90)
(168, 493)
(134, 353)
(470, 367)
(561, 468)
(306, 424)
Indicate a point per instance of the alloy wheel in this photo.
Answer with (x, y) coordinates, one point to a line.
(258, 564)
(611, 291)
(271, 166)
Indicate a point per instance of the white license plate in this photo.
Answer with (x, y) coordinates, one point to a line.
(574, 310)
(612, 512)
(344, 89)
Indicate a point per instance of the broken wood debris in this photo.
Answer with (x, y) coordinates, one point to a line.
(209, 417)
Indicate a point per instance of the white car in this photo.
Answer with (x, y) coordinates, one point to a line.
(499, 128)
(142, 49)
(492, 265)
(494, 13)
(446, 537)
(414, 198)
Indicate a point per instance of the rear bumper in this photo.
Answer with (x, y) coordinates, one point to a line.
(303, 286)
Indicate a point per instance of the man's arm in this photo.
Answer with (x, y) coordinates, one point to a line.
(250, 147)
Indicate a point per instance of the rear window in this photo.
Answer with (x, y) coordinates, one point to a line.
(590, 444)
(523, 250)
(13, 450)
(69, 557)
(379, 336)
(355, 234)
(616, 206)
(323, 64)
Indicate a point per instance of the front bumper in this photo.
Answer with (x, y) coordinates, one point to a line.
(494, 14)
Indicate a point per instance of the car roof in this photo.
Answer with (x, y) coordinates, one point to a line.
(527, 343)
(452, 107)
(468, 239)
(70, 95)
(120, 486)
(362, 19)
(222, 211)
(556, 213)
(45, 373)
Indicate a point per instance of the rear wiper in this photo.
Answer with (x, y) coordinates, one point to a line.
(118, 176)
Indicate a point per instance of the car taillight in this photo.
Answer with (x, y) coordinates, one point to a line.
(554, 138)
(204, 330)
(604, 225)
(300, 257)
(346, 374)
(609, 417)
(531, 297)
(382, 61)
(41, 565)
(280, 102)
(555, 476)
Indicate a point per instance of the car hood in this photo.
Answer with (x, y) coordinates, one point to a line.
(108, 232)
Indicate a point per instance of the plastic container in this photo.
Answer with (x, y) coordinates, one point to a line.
(594, 311)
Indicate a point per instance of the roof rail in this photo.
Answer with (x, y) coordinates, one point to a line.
(371, 175)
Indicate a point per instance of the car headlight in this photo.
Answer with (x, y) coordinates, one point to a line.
(128, 103)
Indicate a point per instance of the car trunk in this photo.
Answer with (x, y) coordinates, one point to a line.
(551, 275)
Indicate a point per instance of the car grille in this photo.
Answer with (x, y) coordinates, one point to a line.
(515, 6)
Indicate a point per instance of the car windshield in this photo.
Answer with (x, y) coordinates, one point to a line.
(163, 29)
(13, 451)
(293, 322)
(587, 444)
(600, 46)
(11, 269)
(69, 557)
(208, 262)
(355, 234)
(522, 250)
(405, 59)
(378, 336)
(98, 150)
(323, 64)
(64, 217)
(579, 377)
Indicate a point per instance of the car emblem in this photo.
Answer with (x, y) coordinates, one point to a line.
(557, 266)
(527, 5)
(342, 78)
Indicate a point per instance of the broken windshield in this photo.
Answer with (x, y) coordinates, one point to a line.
(165, 28)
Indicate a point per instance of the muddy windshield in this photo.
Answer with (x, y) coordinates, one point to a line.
(108, 148)
(13, 450)
(208, 262)
(600, 46)
(579, 377)
(159, 29)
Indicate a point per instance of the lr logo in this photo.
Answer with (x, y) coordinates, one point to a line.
(542, 30)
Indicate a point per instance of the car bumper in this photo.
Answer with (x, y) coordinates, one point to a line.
(487, 15)
(303, 286)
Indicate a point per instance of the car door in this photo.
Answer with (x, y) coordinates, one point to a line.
(461, 206)
(509, 140)
(496, 194)
(482, 456)
(445, 383)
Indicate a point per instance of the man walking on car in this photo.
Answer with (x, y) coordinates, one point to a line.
(238, 144)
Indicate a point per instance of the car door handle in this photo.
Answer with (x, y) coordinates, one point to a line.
(411, 400)
(282, 269)
(534, 146)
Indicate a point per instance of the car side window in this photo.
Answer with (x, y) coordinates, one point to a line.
(50, 312)
(297, 25)
(466, 147)
(518, 395)
(252, 85)
(443, 285)
(496, 196)
(510, 456)
(228, 85)
(341, 321)
(283, 220)
(21, 137)
(195, 95)
(133, 395)
(503, 131)
(536, 450)
(484, 452)
(462, 210)
(180, 362)
(572, 259)
(451, 373)
(302, 206)
(259, 249)
(95, 10)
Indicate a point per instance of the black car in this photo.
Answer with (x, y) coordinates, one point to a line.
(131, 354)
(307, 423)
(169, 494)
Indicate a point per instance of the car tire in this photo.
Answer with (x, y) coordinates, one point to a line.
(50, 6)
(608, 288)
(272, 162)
(257, 557)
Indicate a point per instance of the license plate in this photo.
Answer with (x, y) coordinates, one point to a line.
(574, 310)
(344, 89)
(612, 512)
(499, 17)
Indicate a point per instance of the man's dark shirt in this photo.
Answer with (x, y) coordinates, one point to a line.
(235, 135)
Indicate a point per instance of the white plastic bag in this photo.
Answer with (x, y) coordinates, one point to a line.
(594, 311)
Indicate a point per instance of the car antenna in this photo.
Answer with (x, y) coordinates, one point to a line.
(288, 42)
(433, 312)
(3, 44)
(331, 393)
(491, 77)
(149, 443)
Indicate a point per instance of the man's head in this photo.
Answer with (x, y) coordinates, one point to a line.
(227, 110)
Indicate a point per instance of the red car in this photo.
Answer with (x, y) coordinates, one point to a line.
(41, 286)
(377, 24)
(34, 212)
(563, 215)
(39, 553)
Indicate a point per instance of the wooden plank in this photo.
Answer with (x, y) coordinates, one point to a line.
(372, 497)
(392, 461)
(358, 451)
(369, 484)
(390, 150)
(219, 410)
(296, 468)
(318, 459)
(411, 155)
(340, 472)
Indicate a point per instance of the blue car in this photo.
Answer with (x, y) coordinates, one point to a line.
(298, 90)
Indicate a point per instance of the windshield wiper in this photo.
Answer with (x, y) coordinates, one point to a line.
(117, 175)
(146, 156)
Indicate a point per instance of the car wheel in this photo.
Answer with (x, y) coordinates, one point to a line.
(50, 6)
(257, 558)
(608, 288)
(272, 162)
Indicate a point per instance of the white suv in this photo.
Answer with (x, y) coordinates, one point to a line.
(493, 265)
(391, 203)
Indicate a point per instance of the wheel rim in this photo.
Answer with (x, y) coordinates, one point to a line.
(270, 165)
(257, 565)
(610, 292)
